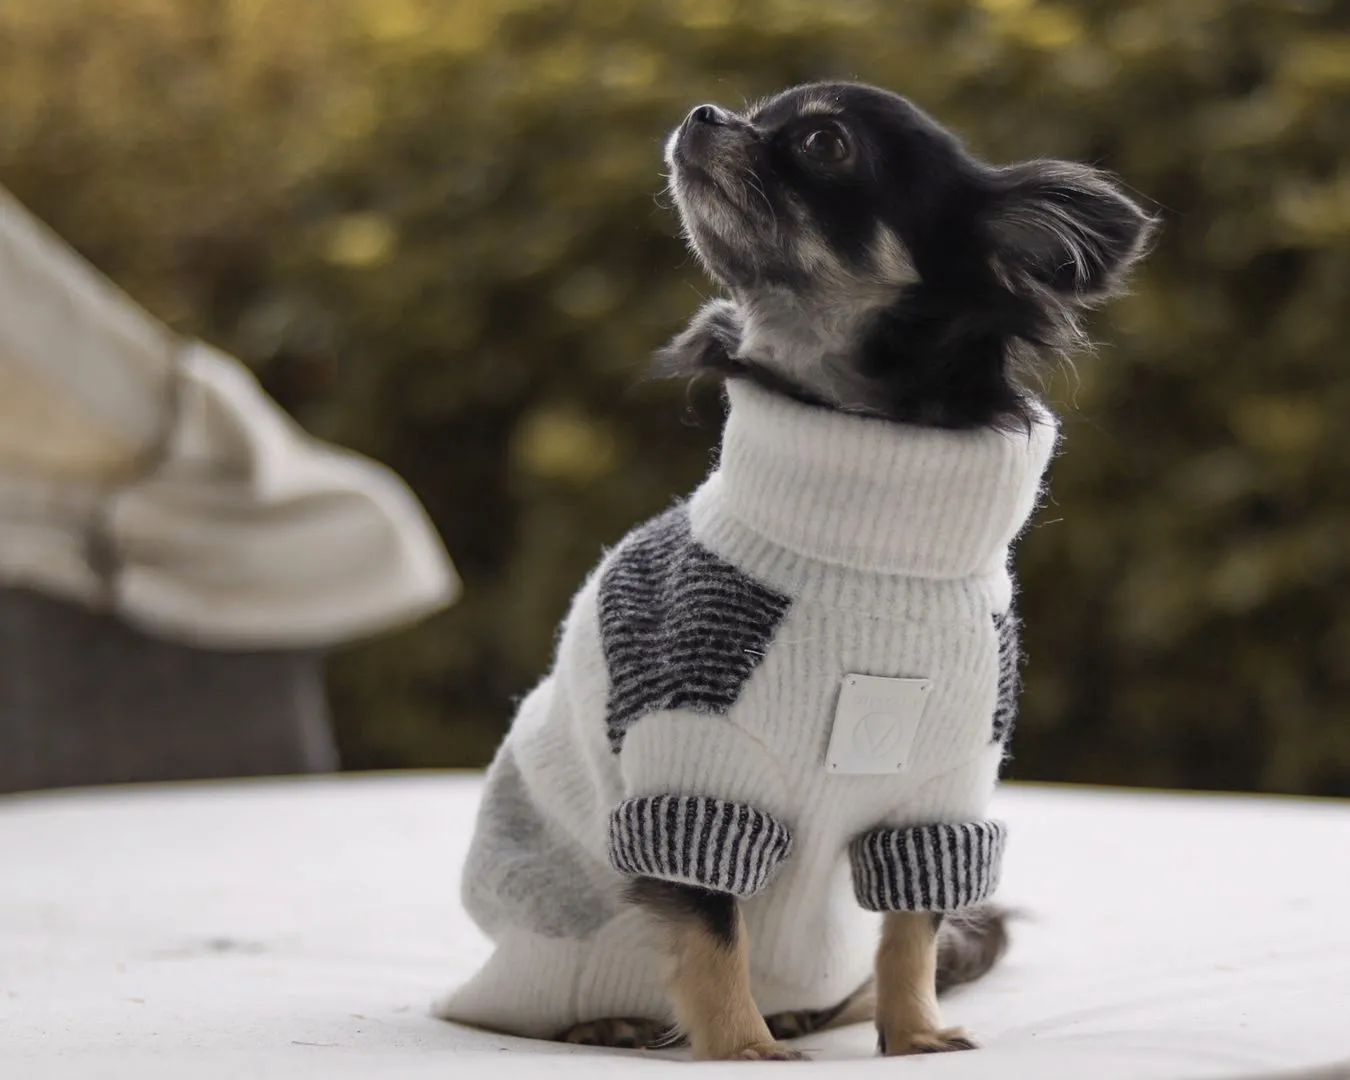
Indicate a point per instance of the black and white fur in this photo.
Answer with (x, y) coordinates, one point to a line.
(871, 264)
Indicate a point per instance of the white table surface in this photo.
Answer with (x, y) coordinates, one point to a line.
(300, 928)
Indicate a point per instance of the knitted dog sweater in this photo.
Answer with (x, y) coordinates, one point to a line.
(797, 687)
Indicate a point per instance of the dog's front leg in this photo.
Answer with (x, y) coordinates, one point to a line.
(710, 972)
(908, 1019)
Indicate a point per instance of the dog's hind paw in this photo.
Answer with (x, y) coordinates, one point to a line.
(625, 1033)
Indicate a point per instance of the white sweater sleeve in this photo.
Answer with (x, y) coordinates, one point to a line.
(700, 805)
(939, 851)
(682, 631)
(940, 867)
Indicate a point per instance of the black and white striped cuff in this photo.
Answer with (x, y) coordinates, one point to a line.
(927, 868)
(725, 846)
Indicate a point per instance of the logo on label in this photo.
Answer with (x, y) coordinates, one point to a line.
(876, 733)
(875, 722)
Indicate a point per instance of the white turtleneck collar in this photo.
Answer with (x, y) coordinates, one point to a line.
(871, 495)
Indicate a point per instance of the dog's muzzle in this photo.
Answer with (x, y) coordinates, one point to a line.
(701, 130)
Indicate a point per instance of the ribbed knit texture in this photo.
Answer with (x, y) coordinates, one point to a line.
(729, 847)
(683, 730)
(1007, 626)
(928, 868)
(871, 495)
(682, 629)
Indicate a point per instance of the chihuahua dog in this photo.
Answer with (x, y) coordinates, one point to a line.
(803, 677)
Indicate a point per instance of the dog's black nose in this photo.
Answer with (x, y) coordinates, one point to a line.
(708, 114)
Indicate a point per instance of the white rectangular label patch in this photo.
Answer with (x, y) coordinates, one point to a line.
(875, 723)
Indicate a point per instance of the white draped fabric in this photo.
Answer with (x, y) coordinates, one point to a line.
(151, 475)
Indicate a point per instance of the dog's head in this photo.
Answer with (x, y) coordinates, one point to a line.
(873, 265)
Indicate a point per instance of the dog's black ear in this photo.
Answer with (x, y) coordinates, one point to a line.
(1066, 226)
(708, 343)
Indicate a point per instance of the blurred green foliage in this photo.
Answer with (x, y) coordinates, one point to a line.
(434, 227)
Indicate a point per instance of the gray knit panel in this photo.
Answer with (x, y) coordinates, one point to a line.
(927, 868)
(729, 847)
(523, 870)
(680, 628)
(1008, 628)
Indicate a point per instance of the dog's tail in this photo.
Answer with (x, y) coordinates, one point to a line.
(970, 943)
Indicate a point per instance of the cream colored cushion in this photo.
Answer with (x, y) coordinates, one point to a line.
(302, 928)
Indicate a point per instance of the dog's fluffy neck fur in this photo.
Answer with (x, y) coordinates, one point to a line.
(883, 351)
(810, 339)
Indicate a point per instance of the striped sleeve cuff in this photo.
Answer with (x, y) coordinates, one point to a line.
(927, 868)
(725, 846)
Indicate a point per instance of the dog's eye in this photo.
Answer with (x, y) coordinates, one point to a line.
(825, 145)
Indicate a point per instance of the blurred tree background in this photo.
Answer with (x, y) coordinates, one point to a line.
(435, 229)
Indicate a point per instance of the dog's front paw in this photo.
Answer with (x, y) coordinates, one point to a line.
(767, 1051)
(901, 1043)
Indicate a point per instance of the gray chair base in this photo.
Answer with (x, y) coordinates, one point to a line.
(85, 699)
